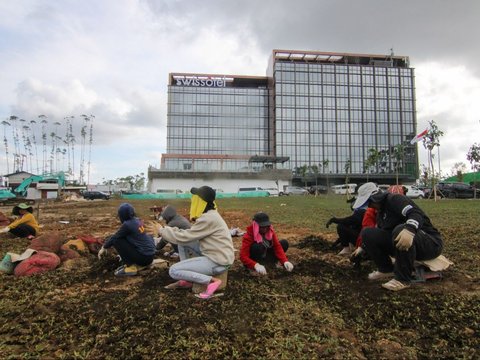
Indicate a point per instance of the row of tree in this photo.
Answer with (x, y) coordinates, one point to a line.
(378, 160)
(41, 147)
(132, 182)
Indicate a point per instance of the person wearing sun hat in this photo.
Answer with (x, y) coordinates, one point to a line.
(403, 231)
(260, 244)
(214, 239)
(26, 225)
(349, 227)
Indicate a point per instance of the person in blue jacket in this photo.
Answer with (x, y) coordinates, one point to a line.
(135, 247)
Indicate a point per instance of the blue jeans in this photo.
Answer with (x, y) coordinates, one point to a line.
(197, 270)
(189, 250)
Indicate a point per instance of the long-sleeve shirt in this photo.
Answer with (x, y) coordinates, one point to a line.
(212, 234)
(369, 220)
(399, 209)
(248, 240)
(133, 231)
(26, 219)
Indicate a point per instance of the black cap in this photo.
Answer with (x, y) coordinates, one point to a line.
(378, 197)
(261, 219)
(206, 193)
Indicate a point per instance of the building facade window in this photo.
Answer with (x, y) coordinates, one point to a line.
(310, 109)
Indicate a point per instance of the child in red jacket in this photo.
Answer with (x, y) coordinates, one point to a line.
(260, 244)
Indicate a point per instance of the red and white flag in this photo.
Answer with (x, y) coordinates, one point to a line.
(419, 137)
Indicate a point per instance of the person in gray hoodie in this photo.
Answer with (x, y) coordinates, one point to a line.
(172, 218)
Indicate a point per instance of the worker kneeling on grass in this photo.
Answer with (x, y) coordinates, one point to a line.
(404, 232)
(215, 241)
(26, 225)
(260, 244)
(135, 247)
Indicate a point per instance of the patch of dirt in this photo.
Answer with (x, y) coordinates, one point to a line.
(323, 309)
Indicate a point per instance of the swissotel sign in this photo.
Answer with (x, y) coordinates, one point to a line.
(201, 82)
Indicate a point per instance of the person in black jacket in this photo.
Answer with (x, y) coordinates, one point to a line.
(404, 232)
(348, 228)
(135, 247)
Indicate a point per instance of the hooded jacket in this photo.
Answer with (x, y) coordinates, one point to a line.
(169, 214)
(398, 209)
(133, 231)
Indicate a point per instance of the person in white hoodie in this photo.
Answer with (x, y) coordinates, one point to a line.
(215, 241)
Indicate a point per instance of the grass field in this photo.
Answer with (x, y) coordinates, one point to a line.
(323, 309)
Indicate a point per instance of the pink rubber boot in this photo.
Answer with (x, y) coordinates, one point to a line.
(211, 288)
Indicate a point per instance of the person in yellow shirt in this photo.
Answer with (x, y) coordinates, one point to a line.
(26, 225)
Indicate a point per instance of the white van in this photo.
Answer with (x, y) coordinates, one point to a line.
(344, 189)
(253, 189)
(414, 192)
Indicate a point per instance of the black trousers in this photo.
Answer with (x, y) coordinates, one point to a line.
(379, 245)
(347, 235)
(23, 231)
(130, 254)
(261, 254)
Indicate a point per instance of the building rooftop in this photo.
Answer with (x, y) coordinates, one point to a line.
(341, 58)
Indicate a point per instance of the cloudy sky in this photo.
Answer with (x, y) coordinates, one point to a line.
(111, 59)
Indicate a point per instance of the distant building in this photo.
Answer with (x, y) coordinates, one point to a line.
(315, 117)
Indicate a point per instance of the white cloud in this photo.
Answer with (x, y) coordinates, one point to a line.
(448, 95)
(111, 58)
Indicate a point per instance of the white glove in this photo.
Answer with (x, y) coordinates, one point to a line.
(101, 252)
(404, 239)
(288, 266)
(259, 268)
(4, 230)
(357, 252)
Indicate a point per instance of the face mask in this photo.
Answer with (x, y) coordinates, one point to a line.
(197, 207)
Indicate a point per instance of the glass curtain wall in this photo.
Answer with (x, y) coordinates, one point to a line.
(216, 121)
(337, 113)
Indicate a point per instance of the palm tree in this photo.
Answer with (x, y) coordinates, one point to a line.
(430, 141)
(303, 172)
(16, 144)
(44, 142)
(90, 141)
(70, 143)
(398, 155)
(371, 161)
(34, 140)
(325, 163)
(5, 142)
(83, 133)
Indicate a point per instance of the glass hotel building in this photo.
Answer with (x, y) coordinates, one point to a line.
(323, 111)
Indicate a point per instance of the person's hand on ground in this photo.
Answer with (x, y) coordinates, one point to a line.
(288, 266)
(357, 252)
(259, 268)
(330, 222)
